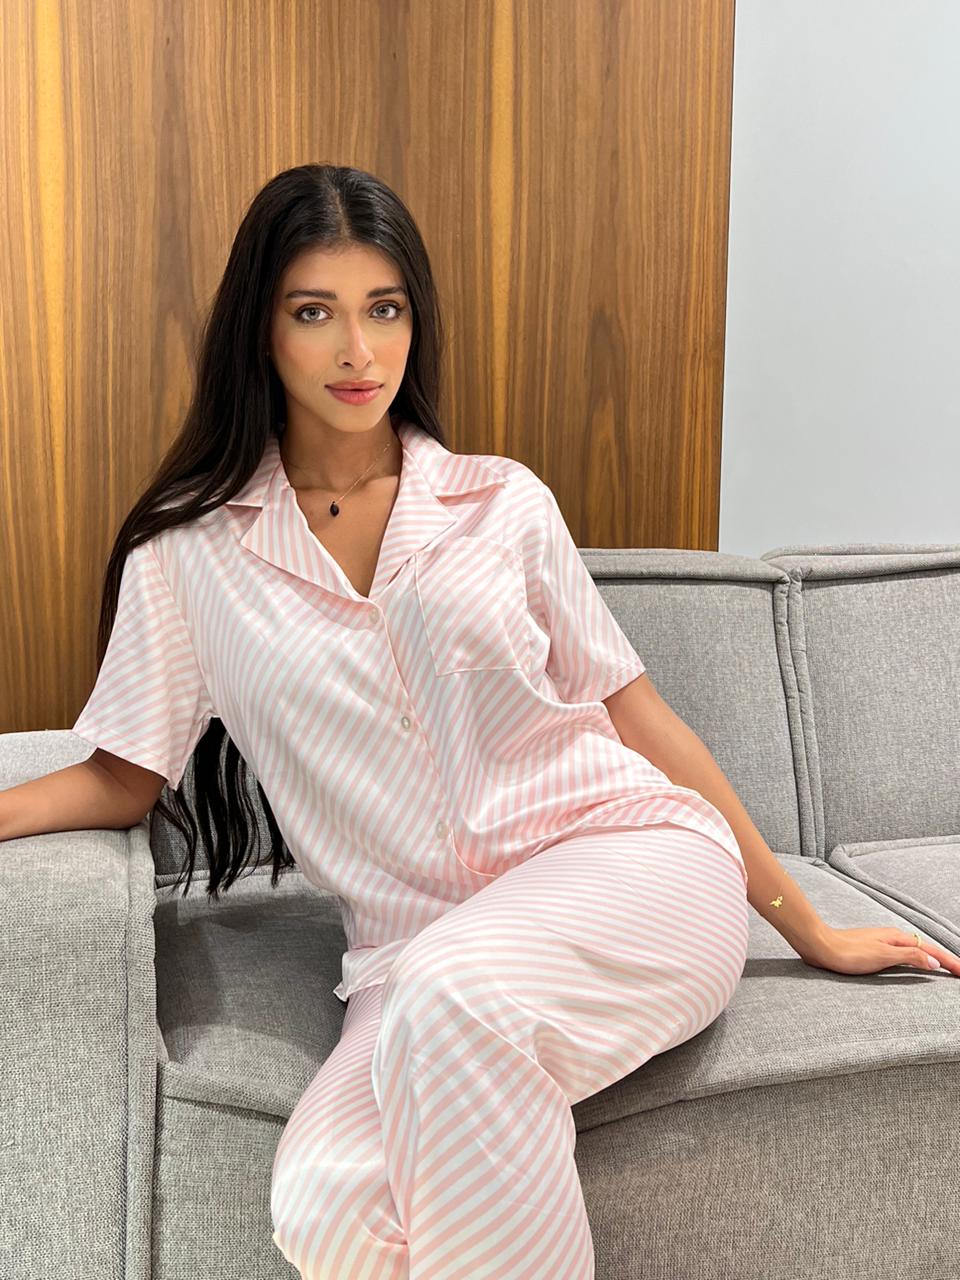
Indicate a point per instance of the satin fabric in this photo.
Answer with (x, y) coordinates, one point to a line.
(437, 1142)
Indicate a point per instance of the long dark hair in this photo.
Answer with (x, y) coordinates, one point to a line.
(238, 402)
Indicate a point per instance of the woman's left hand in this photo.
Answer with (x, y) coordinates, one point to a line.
(871, 950)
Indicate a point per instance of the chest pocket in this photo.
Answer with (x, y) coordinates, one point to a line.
(473, 599)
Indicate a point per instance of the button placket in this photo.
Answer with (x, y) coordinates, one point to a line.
(442, 829)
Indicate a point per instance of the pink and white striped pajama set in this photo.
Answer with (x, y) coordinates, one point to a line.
(532, 909)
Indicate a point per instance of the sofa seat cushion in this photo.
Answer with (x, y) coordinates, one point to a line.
(248, 1015)
(909, 875)
(245, 984)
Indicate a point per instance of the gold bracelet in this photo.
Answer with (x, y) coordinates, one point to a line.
(779, 898)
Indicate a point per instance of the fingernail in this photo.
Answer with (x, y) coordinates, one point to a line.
(933, 962)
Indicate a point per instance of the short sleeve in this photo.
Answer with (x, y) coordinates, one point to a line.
(590, 657)
(150, 704)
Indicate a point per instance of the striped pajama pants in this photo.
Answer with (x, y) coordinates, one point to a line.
(436, 1142)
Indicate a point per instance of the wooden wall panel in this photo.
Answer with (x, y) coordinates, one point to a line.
(568, 165)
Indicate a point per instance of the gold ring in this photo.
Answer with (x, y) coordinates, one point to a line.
(917, 936)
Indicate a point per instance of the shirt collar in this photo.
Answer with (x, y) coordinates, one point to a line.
(281, 535)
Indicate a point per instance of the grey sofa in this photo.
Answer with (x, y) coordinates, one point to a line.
(154, 1046)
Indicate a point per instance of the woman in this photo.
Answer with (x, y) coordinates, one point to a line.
(405, 647)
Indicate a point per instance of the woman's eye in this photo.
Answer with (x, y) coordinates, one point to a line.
(396, 306)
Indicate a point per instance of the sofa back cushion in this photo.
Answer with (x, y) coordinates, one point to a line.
(875, 644)
(711, 629)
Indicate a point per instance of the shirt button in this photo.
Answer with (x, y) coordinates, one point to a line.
(405, 721)
(442, 830)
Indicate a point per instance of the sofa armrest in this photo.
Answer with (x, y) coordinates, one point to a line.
(78, 1039)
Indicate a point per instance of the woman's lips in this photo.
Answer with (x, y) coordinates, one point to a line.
(355, 397)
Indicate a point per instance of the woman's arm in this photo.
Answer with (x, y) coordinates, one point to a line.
(648, 725)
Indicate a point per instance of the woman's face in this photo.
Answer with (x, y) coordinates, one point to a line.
(331, 330)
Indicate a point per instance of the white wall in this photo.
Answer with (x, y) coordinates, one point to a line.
(841, 418)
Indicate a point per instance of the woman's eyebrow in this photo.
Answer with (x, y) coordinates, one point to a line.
(331, 296)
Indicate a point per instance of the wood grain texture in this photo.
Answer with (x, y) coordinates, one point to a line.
(568, 166)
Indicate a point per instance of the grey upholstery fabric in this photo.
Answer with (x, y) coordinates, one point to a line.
(155, 1045)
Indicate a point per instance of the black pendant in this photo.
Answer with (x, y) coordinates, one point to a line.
(334, 509)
